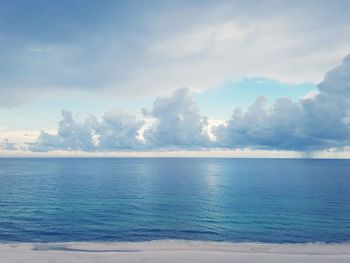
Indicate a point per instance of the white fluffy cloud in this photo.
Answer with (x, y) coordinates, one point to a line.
(116, 131)
(71, 135)
(178, 122)
(178, 125)
(119, 131)
(313, 123)
(316, 123)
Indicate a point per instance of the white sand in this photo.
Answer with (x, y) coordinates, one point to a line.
(173, 252)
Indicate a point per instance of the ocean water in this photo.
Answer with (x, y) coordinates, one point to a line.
(137, 199)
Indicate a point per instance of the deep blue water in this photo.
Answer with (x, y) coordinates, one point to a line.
(136, 199)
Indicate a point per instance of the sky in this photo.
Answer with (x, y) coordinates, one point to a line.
(175, 78)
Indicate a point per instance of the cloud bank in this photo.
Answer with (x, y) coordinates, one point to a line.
(197, 44)
(316, 122)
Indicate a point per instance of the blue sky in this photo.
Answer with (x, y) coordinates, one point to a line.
(163, 76)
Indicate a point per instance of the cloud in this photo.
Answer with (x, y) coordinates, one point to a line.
(7, 145)
(198, 45)
(119, 131)
(312, 123)
(177, 125)
(261, 127)
(71, 135)
(319, 122)
(178, 122)
(116, 131)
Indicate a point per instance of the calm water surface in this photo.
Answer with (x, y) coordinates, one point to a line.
(136, 199)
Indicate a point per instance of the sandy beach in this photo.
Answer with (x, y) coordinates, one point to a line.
(173, 252)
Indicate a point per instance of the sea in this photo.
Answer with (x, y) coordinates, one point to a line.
(141, 199)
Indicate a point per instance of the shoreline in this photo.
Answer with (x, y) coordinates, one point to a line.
(175, 251)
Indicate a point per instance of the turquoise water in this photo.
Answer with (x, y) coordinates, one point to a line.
(136, 199)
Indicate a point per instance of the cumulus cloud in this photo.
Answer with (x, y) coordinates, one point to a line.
(312, 123)
(261, 127)
(119, 131)
(71, 135)
(178, 122)
(116, 131)
(318, 122)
